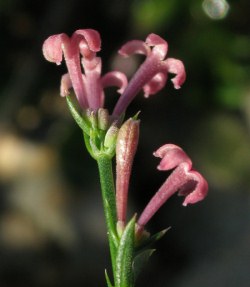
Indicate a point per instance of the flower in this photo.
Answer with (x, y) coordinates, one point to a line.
(153, 72)
(81, 48)
(183, 179)
(89, 86)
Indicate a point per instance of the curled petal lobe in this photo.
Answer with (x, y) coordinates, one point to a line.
(116, 79)
(53, 48)
(171, 155)
(134, 47)
(155, 84)
(198, 193)
(160, 46)
(92, 38)
(176, 67)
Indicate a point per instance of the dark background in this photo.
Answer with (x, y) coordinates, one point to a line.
(51, 220)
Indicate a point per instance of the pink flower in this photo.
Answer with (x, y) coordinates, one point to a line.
(183, 179)
(89, 86)
(81, 48)
(152, 74)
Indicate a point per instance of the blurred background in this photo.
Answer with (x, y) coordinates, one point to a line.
(51, 219)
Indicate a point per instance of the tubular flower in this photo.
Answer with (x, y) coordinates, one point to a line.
(183, 179)
(79, 49)
(152, 74)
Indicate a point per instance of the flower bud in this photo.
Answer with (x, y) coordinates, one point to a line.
(111, 136)
(103, 119)
(93, 119)
(126, 146)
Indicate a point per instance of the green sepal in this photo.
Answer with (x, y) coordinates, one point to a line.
(135, 117)
(95, 143)
(82, 123)
(147, 243)
(107, 279)
(140, 261)
(87, 144)
(124, 276)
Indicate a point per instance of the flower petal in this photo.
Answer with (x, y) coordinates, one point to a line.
(160, 46)
(155, 84)
(171, 155)
(52, 48)
(115, 78)
(92, 38)
(134, 47)
(175, 66)
(65, 85)
(198, 192)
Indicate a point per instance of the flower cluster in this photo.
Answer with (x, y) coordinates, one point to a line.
(105, 135)
(80, 50)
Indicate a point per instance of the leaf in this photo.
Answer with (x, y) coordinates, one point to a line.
(77, 117)
(107, 279)
(151, 240)
(124, 260)
(140, 260)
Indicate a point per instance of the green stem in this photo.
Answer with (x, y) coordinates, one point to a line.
(108, 196)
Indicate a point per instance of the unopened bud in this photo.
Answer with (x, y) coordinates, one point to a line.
(103, 119)
(120, 227)
(126, 146)
(92, 116)
(111, 136)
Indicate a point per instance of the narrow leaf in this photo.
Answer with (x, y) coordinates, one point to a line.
(107, 279)
(124, 273)
(140, 260)
(151, 240)
(77, 117)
